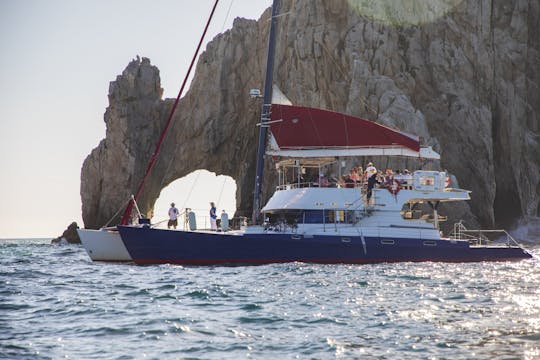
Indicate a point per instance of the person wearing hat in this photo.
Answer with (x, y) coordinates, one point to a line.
(173, 217)
(407, 179)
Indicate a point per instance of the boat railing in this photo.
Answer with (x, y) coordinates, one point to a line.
(481, 237)
(362, 185)
(311, 184)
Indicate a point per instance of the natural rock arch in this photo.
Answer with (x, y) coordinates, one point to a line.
(213, 128)
(195, 191)
(467, 83)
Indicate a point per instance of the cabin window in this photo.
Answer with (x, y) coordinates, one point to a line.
(427, 180)
(387, 242)
(336, 216)
(430, 243)
(346, 239)
(313, 217)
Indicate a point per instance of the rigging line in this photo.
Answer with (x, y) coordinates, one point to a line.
(178, 143)
(116, 213)
(221, 192)
(315, 128)
(153, 159)
(346, 130)
(191, 190)
(227, 16)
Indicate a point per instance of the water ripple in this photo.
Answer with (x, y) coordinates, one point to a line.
(55, 303)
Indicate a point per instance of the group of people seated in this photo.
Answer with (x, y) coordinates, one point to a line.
(358, 177)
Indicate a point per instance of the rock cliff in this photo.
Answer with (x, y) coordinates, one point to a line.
(466, 79)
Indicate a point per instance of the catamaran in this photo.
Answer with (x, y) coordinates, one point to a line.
(314, 217)
(310, 220)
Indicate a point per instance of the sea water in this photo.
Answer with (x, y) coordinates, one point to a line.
(56, 303)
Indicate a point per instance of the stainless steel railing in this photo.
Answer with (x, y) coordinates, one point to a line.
(480, 237)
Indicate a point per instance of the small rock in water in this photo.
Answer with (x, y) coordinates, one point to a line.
(68, 236)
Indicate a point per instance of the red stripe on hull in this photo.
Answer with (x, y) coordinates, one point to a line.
(320, 261)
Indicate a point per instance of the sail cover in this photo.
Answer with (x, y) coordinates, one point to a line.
(300, 131)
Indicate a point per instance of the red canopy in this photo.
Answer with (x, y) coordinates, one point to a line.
(298, 127)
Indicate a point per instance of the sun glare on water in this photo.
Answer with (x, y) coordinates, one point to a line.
(404, 12)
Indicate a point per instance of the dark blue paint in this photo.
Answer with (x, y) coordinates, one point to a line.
(156, 246)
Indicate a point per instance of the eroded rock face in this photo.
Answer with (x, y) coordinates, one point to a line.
(111, 173)
(466, 82)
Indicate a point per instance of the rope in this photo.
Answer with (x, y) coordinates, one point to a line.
(190, 191)
(115, 214)
(168, 123)
(159, 223)
(227, 16)
(221, 192)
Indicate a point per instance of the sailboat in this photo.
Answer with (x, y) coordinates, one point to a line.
(316, 221)
(105, 244)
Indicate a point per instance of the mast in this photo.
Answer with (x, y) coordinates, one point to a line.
(265, 114)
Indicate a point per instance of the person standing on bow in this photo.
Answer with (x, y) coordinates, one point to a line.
(173, 217)
(213, 216)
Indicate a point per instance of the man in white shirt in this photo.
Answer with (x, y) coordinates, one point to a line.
(173, 217)
(371, 176)
(370, 170)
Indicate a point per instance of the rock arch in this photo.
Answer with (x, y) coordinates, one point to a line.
(196, 191)
(469, 90)
(213, 128)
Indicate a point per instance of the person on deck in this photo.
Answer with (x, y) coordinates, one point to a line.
(323, 181)
(399, 177)
(407, 179)
(213, 216)
(349, 183)
(388, 177)
(355, 177)
(173, 217)
(371, 175)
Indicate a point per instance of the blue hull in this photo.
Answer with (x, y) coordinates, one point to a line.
(158, 246)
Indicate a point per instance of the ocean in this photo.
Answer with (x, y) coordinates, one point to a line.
(56, 303)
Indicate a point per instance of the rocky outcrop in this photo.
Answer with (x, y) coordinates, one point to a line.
(69, 235)
(465, 79)
(134, 118)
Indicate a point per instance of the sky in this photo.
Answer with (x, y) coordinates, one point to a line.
(57, 59)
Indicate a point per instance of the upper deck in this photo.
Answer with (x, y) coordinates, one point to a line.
(421, 186)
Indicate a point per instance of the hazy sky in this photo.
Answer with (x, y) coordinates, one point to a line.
(57, 59)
